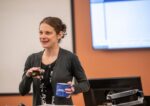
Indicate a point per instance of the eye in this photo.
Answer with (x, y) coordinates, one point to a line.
(48, 33)
(40, 32)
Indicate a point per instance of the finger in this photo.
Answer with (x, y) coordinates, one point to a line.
(68, 96)
(68, 91)
(36, 68)
(38, 77)
(30, 73)
(70, 83)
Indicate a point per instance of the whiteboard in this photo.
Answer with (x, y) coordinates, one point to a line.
(19, 23)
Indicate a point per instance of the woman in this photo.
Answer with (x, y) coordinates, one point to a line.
(59, 64)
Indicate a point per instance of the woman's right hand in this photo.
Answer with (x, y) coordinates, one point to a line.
(29, 72)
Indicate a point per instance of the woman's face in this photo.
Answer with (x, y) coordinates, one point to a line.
(48, 36)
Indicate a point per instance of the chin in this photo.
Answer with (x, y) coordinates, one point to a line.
(46, 46)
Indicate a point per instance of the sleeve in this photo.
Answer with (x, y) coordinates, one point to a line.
(82, 84)
(25, 84)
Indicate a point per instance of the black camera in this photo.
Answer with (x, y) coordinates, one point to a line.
(37, 73)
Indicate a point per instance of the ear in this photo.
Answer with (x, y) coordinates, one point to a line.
(60, 35)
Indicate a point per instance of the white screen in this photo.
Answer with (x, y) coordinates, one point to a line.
(120, 23)
(19, 23)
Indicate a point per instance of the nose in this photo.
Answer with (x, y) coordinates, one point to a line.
(42, 36)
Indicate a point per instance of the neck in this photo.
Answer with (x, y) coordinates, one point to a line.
(53, 51)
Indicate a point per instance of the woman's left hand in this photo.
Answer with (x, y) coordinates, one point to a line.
(70, 90)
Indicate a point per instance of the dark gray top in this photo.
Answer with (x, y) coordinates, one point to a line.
(67, 66)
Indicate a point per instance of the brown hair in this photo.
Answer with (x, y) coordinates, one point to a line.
(56, 23)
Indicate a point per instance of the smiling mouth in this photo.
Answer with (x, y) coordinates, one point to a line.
(45, 41)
